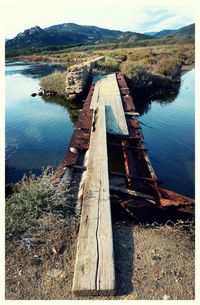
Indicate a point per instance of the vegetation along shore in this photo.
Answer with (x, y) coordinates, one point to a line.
(153, 260)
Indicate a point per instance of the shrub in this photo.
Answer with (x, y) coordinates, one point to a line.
(168, 67)
(33, 197)
(108, 65)
(55, 83)
(132, 70)
(118, 56)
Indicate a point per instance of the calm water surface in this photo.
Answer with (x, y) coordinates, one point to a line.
(170, 139)
(38, 130)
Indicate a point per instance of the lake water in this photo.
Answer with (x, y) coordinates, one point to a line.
(170, 139)
(38, 130)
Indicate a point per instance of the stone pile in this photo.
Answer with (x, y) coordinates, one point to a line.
(78, 76)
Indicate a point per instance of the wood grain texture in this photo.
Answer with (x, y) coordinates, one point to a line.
(94, 267)
(107, 92)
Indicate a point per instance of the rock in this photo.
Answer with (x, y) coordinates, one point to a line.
(40, 93)
(55, 273)
(36, 261)
(54, 250)
(9, 189)
(167, 297)
(33, 94)
(156, 258)
(74, 150)
(71, 97)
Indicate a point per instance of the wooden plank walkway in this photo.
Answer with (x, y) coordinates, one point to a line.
(94, 267)
(107, 92)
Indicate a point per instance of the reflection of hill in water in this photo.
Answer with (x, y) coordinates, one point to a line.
(143, 102)
(73, 108)
(33, 70)
(36, 70)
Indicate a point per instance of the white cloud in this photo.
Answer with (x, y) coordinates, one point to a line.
(123, 14)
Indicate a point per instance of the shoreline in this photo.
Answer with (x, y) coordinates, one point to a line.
(187, 68)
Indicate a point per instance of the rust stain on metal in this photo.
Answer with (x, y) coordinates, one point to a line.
(133, 123)
(139, 173)
(136, 163)
(81, 136)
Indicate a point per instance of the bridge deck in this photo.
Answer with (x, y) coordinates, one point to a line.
(94, 268)
(107, 92)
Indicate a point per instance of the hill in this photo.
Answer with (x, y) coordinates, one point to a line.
(183, 31)
(67, 35)
(61, 34)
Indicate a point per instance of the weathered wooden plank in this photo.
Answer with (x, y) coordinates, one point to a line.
(94, 101)
(94, 267)
(107, 92)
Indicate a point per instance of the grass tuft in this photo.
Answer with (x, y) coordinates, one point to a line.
(55, 83)
(33, 197)
(168, 67)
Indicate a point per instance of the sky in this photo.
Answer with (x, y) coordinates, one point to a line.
(139, 16)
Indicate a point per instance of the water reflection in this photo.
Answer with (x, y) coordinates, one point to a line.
(33, 70)
(170, 138)
(38, 130)
(143, 101)
(73, 108)
(41, 69)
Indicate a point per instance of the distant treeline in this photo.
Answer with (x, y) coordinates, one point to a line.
(170, 39)
(40, 50)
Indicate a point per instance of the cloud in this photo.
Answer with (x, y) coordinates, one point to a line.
(131, 15)
(158, 18)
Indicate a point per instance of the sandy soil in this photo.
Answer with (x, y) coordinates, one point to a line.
(151, 262)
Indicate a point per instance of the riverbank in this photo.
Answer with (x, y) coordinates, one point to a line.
(41, 241)
(149, 69)
(41, 246)
(152, 262)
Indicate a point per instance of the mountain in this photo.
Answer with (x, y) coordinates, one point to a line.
(67, 34)
(164, 33)
(37, 37)
(62, 34)
(90, 32)
(70, 34)
(186, 30)
(183, 31)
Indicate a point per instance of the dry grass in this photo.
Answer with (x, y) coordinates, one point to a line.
(39, 263)
(55, 83)
(151, 262)
(107, 66)
(167, 67)
(33, 197)
(141, 64)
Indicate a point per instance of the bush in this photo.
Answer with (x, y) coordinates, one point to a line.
(108, 65)
(168, 67)
(33, 197)
(133, 71)
(118, 56)
(55, 83)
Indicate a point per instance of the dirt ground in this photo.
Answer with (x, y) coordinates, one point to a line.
(151, 262)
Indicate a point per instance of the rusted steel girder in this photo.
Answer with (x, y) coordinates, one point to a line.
(130, 161)
(80, 139)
